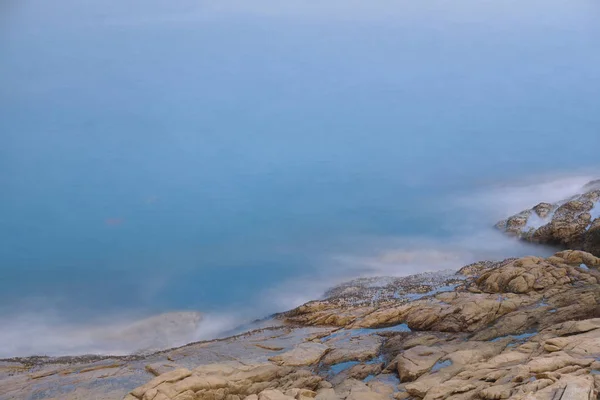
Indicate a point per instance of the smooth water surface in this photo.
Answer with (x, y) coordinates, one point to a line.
(239, 157)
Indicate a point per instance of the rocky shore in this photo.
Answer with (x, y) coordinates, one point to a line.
(573, 223)
(526, 328)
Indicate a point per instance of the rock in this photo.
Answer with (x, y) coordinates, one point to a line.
(496, 392)
(522, 276)
(476, 269)
(325, 313)
(304, 354)
(543, 209)
(579, 388)
(169, 377)
(273, 395)
(415, 361)
(233, 381)
(367, 396)
(188, 395)
(327, 394)
(360, 348)
(157, 369)
(525, 328)
(567, 387)
(556, 361)
(515, 223)
(577, 257)
(573, 223)
(298, 393)
(355, 390)
(382, 388)
(361, 371)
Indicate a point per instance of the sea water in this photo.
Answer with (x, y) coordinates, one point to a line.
(237, 158)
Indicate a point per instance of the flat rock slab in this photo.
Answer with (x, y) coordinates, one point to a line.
(302, 355)
(358, 348)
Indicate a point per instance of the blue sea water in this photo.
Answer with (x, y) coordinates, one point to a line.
(237, 158)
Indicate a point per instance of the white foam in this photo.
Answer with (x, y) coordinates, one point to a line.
(502, 200)
(534, 221)
(473, 240)
(45, 333)
(595, 213)
(404, 256)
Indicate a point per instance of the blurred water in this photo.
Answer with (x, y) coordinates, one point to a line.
(218, 156)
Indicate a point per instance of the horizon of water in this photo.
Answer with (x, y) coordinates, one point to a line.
(239, 158)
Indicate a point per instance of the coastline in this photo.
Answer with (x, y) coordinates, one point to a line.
(466, 235)
(351, 318)
(423, 336)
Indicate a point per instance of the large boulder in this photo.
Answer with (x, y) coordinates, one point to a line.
(573, 223)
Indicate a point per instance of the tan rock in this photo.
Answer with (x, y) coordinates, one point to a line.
(168, 377)
(496, 392)
(327, 394)
(361, 371)
(304, 354)
(579, 388)
(568, 223)
(577, 257)
(382, 388)
(367, 396)
(272, 394)
(324, 313)
(416, 361)
(556, 361)
(360, 348)
(535, 386)
(188, 395)
(157, 369)
(401, 396)
(452, 388)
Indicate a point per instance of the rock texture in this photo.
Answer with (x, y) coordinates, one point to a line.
(573, 223)
(518, 329)
(521, 329)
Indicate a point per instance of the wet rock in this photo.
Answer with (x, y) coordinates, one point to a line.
(361, 371)
(543, 209)
(573, 223)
